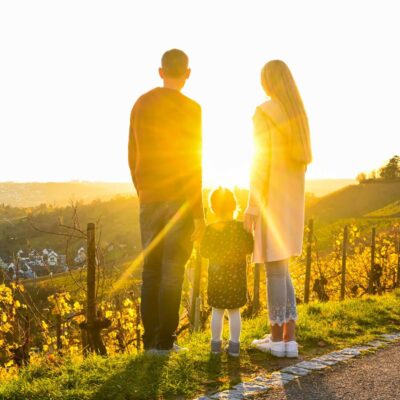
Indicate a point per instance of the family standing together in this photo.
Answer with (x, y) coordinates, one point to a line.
(165, 160)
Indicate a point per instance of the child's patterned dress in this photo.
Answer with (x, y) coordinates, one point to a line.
(226, 245)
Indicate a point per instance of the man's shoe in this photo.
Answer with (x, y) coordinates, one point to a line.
(157, 352)
(291, 349)
(266, 345)
(178, 349)
(163, 352)
(234, 349)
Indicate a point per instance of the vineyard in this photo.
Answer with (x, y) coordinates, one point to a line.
(97, 310)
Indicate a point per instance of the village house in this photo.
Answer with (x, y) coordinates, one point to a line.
(52, 258)
(34, 263)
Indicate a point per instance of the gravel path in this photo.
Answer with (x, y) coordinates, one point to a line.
(371, 377)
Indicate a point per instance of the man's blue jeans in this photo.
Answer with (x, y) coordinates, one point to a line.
(166, 228)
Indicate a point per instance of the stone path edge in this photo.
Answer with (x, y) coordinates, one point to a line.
(263, 383)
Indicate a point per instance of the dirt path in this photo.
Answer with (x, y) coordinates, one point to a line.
(371, 377)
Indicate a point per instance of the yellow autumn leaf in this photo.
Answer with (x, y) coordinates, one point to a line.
(127, 303)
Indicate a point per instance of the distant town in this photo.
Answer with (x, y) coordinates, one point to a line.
(33, 263)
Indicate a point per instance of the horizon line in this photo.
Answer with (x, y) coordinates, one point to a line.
(128, 182)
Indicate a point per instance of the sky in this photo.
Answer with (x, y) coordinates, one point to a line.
(70, 72)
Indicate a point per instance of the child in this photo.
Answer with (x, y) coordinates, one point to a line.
(226, 244)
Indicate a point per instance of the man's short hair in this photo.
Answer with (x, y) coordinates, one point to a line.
(174, 63)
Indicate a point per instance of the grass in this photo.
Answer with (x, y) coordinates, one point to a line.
(390, 211)
(322, 327)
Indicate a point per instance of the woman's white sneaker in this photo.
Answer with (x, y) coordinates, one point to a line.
(266, 345)
(291, 349)
(265, 339)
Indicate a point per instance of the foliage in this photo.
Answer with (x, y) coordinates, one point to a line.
(321, 327)
(389, 172)
(326, 272)
(12, 333)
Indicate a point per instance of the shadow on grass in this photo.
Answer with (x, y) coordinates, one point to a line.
(139, 379)
(264, 363)
(222, 370)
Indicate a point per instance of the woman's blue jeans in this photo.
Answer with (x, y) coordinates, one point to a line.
(281, 297)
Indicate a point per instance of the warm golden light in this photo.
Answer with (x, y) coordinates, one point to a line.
(227, 153)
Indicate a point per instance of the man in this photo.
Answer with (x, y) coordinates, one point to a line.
(165, 163)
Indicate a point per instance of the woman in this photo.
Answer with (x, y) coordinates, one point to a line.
(275, 209)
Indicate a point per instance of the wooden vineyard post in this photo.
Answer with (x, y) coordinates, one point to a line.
(85, 344)
(256, 289)
(308, 261)
(371, 271)
(344, 260)
(194, 303)
(93, 324)
(91, 280)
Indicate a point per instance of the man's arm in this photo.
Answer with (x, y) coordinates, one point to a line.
(132, 149)
(195, 189)
(197, 172)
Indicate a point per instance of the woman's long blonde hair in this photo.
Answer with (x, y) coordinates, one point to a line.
(279, 84)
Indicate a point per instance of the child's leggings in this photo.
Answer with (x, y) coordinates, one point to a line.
(217, 322)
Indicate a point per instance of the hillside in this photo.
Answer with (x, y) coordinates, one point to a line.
(60, 194)
(117, 219)
(322, 187)
(356, 201)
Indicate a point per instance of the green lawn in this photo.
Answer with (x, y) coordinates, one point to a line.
(321, 328)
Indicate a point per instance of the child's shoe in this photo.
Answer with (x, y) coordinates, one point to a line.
(216, 346)
(266, 345)
(234, 349)
(291, 349)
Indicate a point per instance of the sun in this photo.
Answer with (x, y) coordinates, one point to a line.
(227, 152)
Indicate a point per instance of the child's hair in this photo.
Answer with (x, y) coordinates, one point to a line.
(222, 200)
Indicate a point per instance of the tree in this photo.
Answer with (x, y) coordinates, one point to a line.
(391, 170)
(361, 177)
(372, 175)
